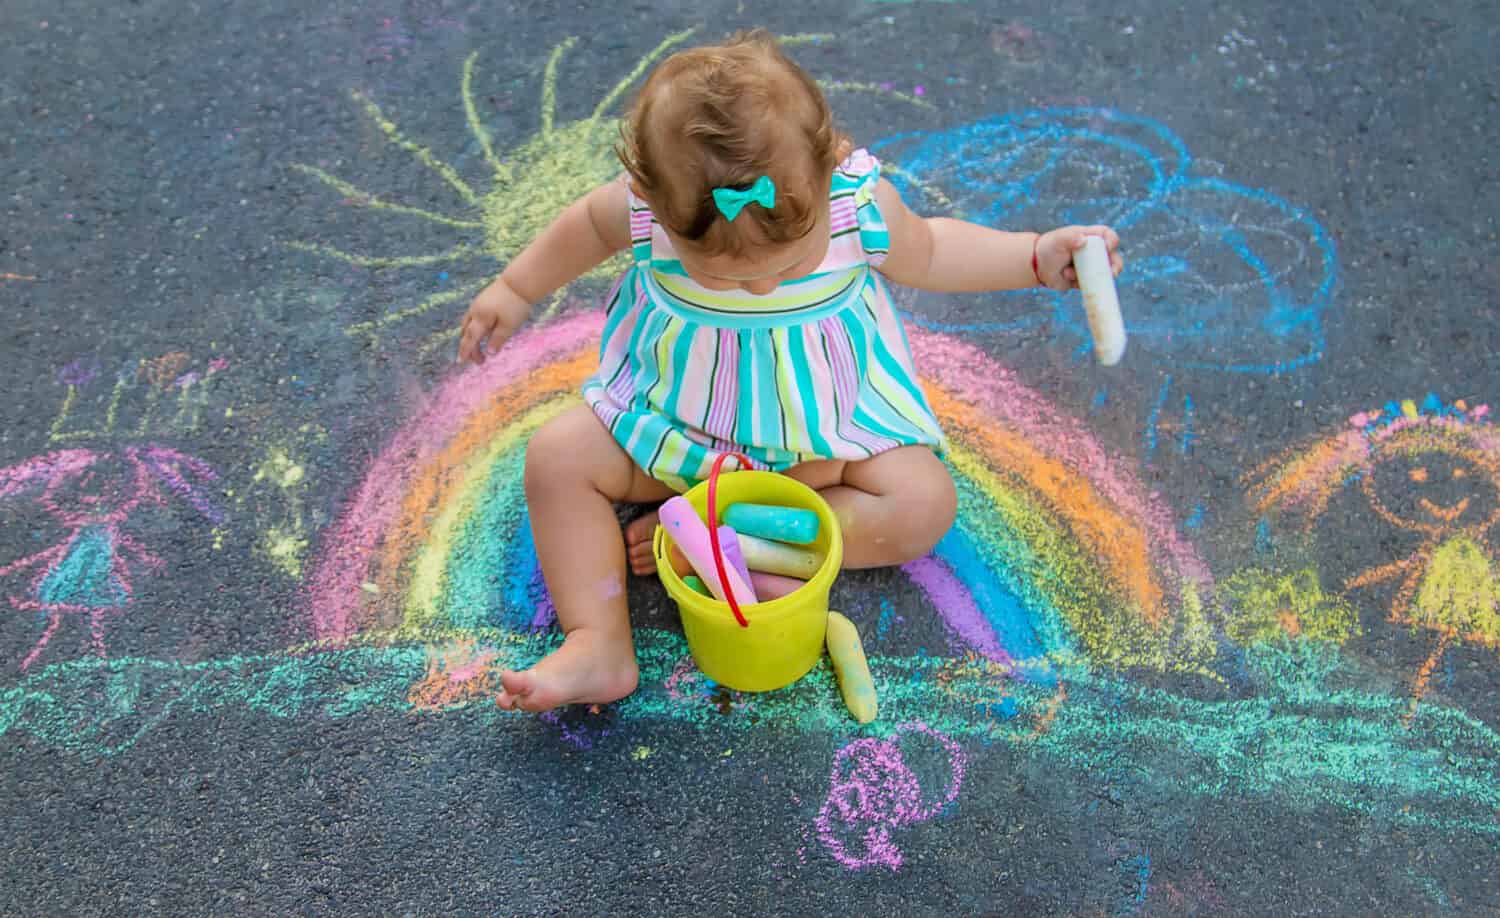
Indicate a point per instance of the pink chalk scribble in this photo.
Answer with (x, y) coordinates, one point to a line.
(874, 792)
(93, 494)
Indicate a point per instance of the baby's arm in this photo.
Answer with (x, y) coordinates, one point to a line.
(591, 229)
(940, 253)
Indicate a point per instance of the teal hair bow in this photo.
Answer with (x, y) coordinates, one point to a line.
(731, 201)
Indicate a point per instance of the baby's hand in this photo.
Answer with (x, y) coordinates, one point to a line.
(1054, 254)
(492, 318)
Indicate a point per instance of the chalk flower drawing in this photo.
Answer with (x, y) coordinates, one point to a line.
(93, 494)
(1433, 471)
(1219, 276)
(127, 411)
(530, 185)
(874, 791)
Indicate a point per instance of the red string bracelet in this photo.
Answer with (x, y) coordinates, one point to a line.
(1035, 271)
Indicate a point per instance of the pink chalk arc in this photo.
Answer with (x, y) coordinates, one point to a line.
(1031, 568)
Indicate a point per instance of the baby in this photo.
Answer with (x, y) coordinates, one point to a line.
(755, 317)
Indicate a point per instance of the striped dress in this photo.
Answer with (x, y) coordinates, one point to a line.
(817, 369)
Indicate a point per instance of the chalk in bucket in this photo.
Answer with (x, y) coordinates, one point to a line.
(777, 558)
(779, 524)
(682, 522)
(766, 645)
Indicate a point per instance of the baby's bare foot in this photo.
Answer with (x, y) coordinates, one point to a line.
(589, 668)
(638, 535)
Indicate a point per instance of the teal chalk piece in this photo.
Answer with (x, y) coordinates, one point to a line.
(780, 524)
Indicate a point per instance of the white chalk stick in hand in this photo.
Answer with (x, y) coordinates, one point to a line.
(1097, 281)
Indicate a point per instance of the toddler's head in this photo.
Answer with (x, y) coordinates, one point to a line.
(722, 117)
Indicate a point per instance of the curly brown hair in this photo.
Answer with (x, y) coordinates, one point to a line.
(723, 116)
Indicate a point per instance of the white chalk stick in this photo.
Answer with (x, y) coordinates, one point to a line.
(1100, 300)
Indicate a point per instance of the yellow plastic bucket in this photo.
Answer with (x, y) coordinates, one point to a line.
(784, 638)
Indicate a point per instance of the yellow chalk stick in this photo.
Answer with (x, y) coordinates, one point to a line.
(848, 656)
(776, 558)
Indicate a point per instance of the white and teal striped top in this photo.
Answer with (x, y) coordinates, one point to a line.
(817, 369)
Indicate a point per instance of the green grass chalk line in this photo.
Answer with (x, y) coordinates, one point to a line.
(1343, 748)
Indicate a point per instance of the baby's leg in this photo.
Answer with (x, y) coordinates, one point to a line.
(893, 507)
(575, 472)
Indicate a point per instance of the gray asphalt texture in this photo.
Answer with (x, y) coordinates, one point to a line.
(148, 195)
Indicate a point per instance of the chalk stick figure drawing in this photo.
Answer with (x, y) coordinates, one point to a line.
(530, 184)
(874, 791)
(1433, 471)
(90, 572)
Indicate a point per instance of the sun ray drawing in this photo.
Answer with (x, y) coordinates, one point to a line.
(527, 187)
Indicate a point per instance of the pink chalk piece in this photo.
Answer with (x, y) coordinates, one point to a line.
(690, 534)
(774, 586)
(729, 544)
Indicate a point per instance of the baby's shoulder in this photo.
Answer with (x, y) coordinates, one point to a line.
(857, 167)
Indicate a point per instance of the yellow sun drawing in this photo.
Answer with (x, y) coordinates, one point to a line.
(531, 184)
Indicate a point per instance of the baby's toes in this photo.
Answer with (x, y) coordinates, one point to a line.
(642, 561)
(640, 530)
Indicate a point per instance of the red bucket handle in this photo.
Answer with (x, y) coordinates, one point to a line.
(713, 533)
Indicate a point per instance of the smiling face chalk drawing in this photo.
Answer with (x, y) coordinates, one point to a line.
(1432, 471)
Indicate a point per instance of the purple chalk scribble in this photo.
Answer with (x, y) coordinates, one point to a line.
(580, 732)
(874, 792)
(78, 373)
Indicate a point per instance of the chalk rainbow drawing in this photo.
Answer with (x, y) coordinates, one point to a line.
(93, 494)
(1061, 573)
(1431, 470)
(1058, 551)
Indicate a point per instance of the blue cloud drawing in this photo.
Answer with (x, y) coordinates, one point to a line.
(1218, 276)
